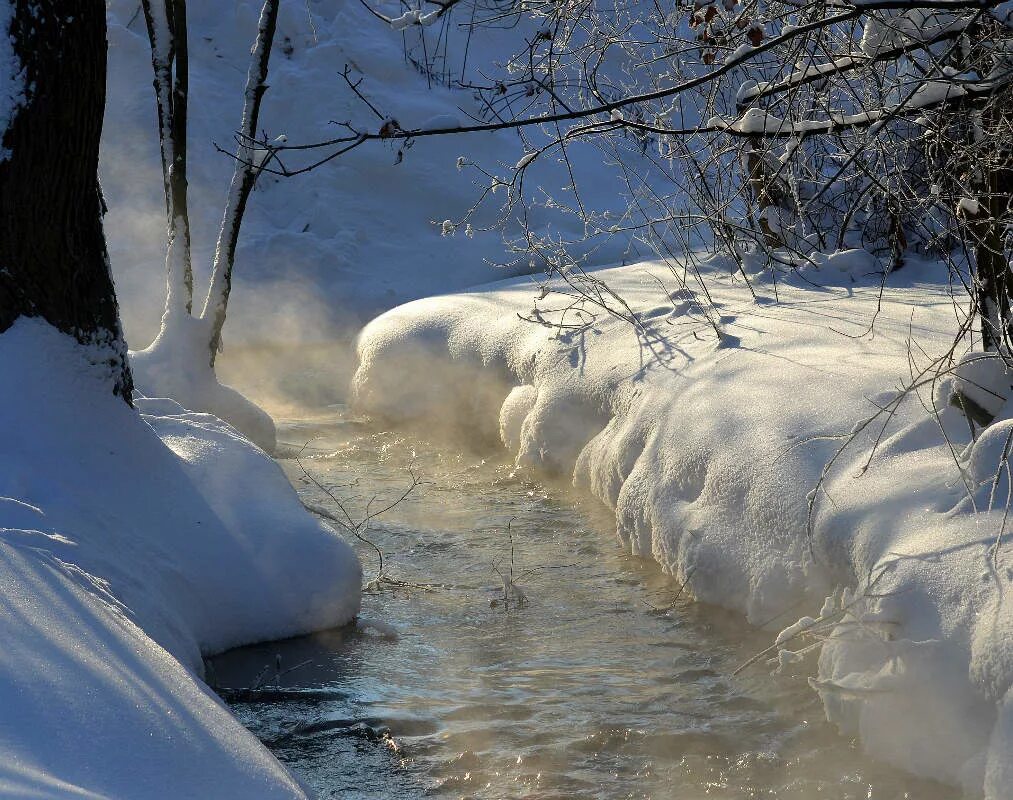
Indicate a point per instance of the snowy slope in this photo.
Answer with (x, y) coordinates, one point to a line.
(322, 253)
(707, 452)
(132, 542)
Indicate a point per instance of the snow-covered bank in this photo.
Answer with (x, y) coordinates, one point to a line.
(707, 454)
(132, 543)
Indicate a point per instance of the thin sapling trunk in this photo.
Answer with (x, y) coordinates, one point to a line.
(243, 178)
(167, 33)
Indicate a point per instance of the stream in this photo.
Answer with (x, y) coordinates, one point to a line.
(604, 683)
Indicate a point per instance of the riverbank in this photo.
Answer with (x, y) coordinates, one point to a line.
(134, 542)
(707, 450)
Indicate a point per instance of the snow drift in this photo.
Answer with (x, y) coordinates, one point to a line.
(707, 450)
(132, 543)
(176, 365)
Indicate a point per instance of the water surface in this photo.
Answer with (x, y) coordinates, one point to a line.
(605, 683)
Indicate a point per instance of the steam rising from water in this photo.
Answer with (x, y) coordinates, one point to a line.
(605, 685)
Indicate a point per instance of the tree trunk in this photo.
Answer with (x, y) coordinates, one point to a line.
(993, 279)
(53, 259)
(167, 34)
(762, 189)
(987, 224)
(243, 178)
(989, 171)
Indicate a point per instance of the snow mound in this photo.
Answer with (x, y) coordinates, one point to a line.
(984, 378)
(176, 366)
(707, 451)
(132, 544)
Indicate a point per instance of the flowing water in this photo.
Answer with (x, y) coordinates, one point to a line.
(605, 683)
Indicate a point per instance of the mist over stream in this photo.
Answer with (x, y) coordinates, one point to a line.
(604, 684)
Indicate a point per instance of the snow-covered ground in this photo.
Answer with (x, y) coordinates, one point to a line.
(132, 544)
(322, 253)
(707, 453)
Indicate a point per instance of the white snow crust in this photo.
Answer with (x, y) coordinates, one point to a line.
(707, 451)
(133, 542)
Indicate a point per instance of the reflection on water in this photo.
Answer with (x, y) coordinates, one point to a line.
(603, 685)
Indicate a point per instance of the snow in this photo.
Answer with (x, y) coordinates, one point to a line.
(441, 122)
(917, 665)
(984, 378)
(322, 253)
(410, 17)
(750, 89)
(968, 206)
(753, 120)
(792, 631)
(132, 544)
(772, 217)
(525, 160)
(177, 365)
(740, 52)
(933, 92)
(708, 452)
(261, 155)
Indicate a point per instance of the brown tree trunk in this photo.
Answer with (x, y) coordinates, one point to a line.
(989, 171)
(993, 278)
(53, 259)
(762, 189)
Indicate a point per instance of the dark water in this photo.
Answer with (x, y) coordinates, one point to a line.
(603, 684)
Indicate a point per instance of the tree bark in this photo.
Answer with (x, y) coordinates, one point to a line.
(993, 178)
(167, 34)
(993, 278)
(53, 259)
(243, 178)
(988, 169)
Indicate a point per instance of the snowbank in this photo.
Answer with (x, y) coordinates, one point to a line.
(132, 542)
(707, 451)
(176, 365)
